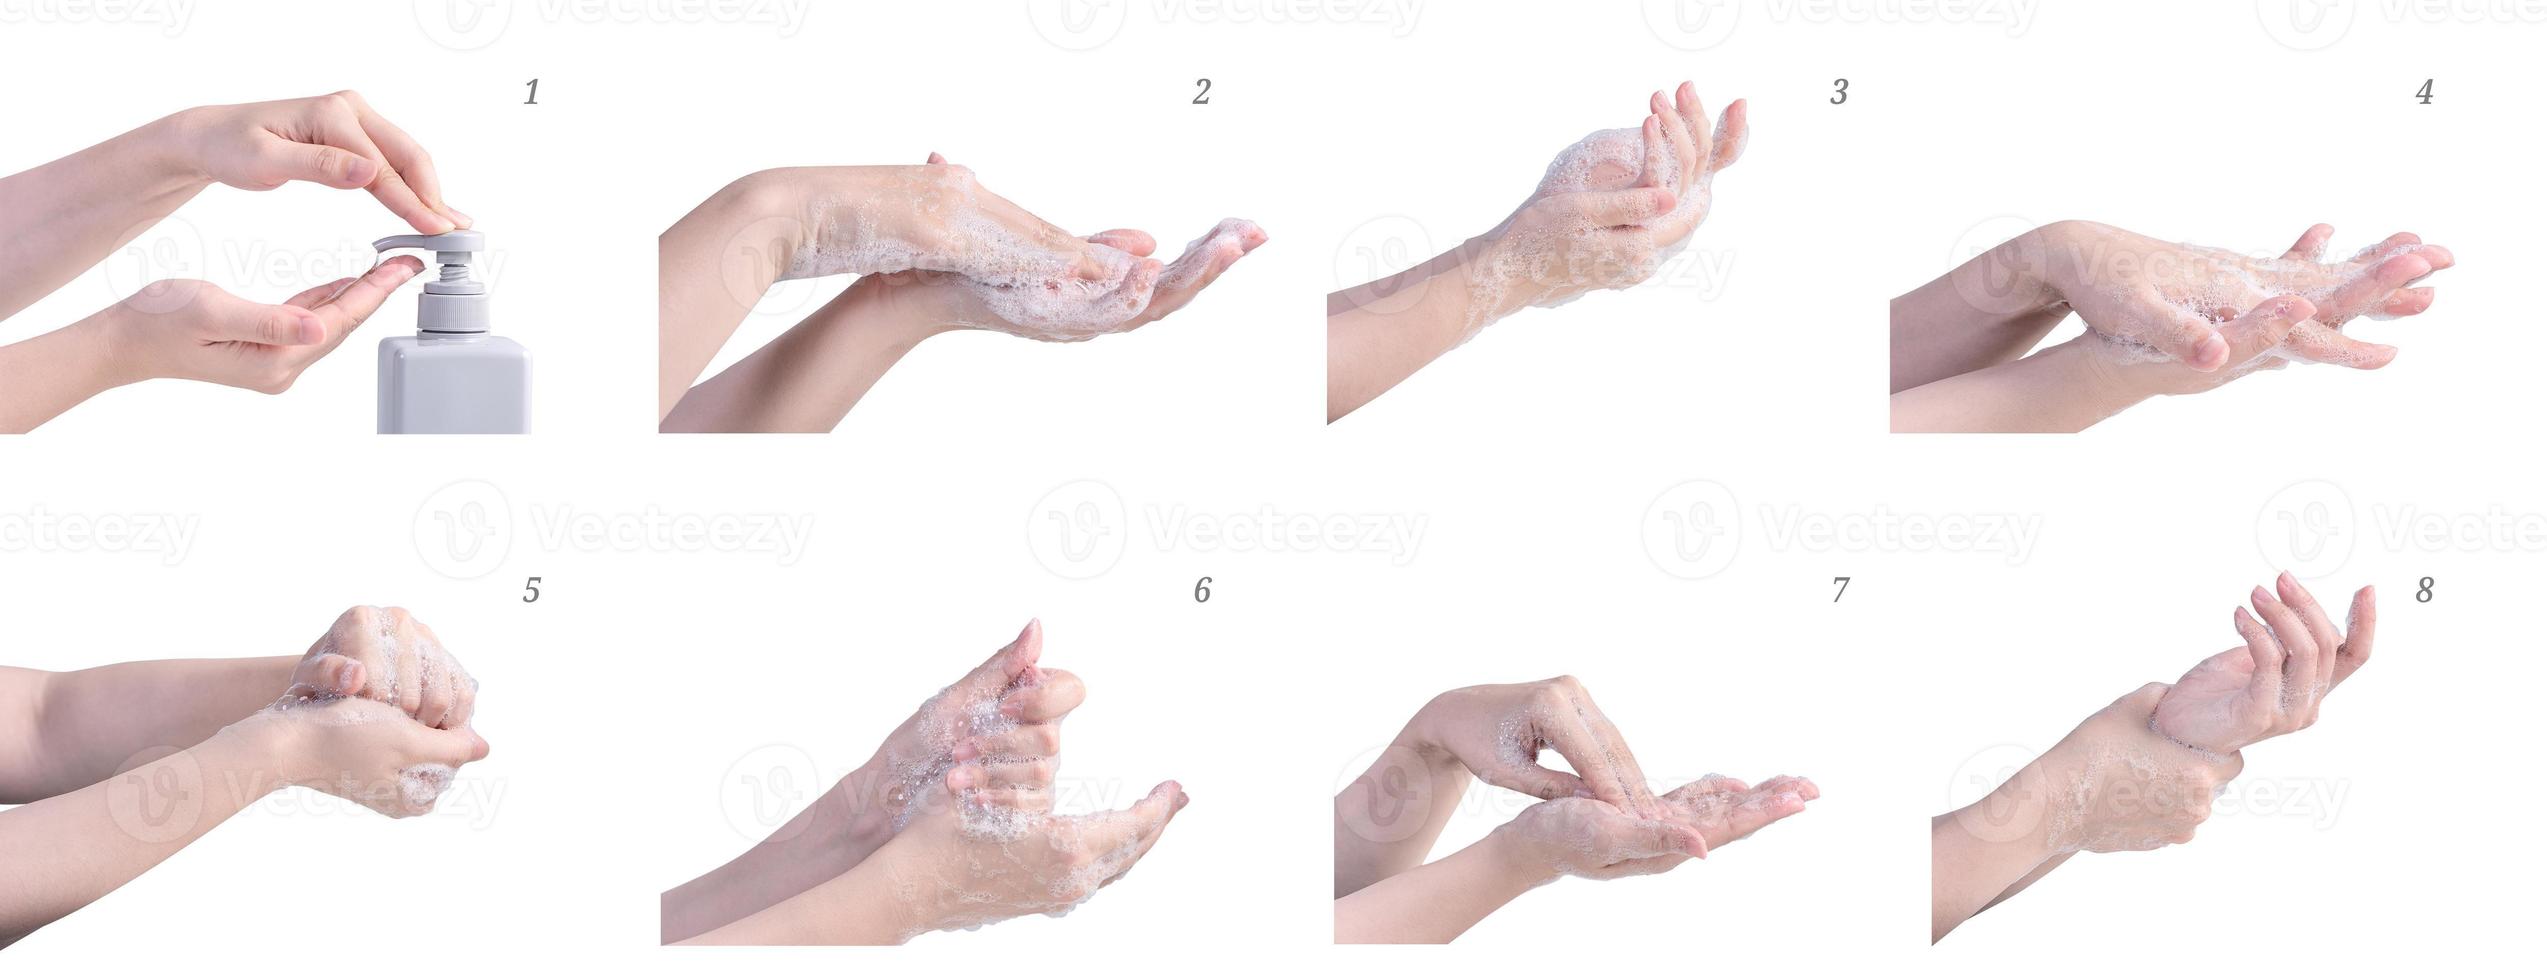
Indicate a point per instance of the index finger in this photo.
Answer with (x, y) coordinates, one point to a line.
(406, 156)
(994, 676)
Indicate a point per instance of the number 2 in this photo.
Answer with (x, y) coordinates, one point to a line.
(1203, 96)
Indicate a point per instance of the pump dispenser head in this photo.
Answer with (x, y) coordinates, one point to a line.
(453, 303)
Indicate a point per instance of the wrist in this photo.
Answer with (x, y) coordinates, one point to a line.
(166, 149)
(266, 753)
(1511, 864)
(857, 815)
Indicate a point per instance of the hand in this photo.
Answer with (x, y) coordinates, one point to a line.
(336, 140)
(1611, 208)
(2271, 685)
(387, 655)
(365, 751)
(2154, 300)
(972, 856)
(2116, 784)
(935, 217)
(1149, 293)
(1497, 731)
(185, 328)
(1001, 723)
(1592, 839)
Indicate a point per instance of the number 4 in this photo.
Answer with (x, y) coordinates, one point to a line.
(2425, 93)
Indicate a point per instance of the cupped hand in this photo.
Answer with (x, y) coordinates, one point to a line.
(2154, 300)
(1611, 207)
(187, 328)
(1720, 809)
(1145, 294)
(1588, 838)
(972, 856)
(366, 751)
(337, 140)
(2272, 685)
(389, 656)
(1498, 730)
(999, 726)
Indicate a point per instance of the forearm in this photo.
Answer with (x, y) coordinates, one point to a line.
(46, 375)
(712, 267)
(817, 845)
(91, 724)
(2059, 389)
(1983, 853)
(1380, 333)
(64, 216)
(1388, 820)
(72, 849)
(1987, 311)
(859, 907)
(809, 378)
(1437, 902)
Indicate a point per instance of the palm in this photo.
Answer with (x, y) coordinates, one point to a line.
(2213, 706)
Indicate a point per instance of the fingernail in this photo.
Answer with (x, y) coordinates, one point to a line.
(458, 215)
(2287, 582)
(2259, 597)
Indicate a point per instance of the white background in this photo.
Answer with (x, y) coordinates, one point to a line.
(1553, 467)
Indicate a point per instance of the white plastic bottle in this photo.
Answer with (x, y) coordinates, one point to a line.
(454, 375)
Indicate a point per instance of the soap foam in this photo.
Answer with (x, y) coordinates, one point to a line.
(1024, 287)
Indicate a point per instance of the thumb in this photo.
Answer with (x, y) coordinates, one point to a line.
(452, 747)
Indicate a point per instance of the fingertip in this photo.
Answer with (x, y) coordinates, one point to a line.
(2211, 353)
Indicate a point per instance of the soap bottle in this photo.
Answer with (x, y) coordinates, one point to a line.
(453, 376)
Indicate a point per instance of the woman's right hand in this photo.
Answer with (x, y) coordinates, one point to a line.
(363, 750)
(187, 328)
(389, 656)
(1000, 723)
(1498, 730)
(972, 856)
